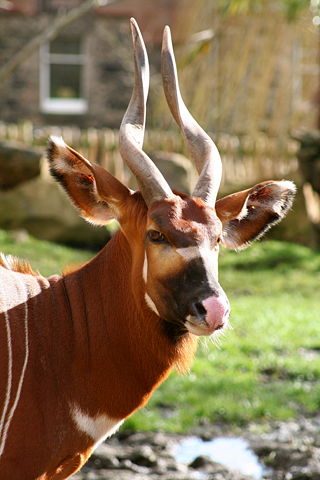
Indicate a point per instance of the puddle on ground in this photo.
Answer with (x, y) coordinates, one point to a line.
(233, 453)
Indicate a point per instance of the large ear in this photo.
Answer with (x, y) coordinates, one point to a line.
(247, 215)
(95, 192)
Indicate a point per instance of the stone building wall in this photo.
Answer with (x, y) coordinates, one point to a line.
(108, 69)
(19, 94)
(107, 74)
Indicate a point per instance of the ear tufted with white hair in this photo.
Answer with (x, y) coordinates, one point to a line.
(246, 216)
(93, 190)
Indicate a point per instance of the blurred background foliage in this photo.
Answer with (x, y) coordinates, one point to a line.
(249, 65)
(290, 8)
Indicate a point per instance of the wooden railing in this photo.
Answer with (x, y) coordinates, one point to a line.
(246, 159)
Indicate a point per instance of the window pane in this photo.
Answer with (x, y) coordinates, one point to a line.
(65, 46)
(65, 81)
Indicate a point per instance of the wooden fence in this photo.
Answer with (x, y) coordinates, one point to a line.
(246, 159)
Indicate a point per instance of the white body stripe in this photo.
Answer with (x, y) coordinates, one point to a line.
(7, 418)
(98, 428)
(9, 379)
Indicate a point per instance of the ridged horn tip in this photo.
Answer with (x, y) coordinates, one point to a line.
(202, 149)
(139, 49)
(152, 184)
(167, 40)
(135, 31)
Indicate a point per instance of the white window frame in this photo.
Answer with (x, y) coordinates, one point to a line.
(64, 106)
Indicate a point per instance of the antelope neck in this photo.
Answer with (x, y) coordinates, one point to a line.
(111, 330)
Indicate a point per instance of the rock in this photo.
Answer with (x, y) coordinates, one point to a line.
(176, 169)
(305, 474)
(17, 164)
(129, 465)
(144, 456)
(203, 462)
(284, 457)
(101, 461)
(292, 449)
(309, 163)
(158, 441)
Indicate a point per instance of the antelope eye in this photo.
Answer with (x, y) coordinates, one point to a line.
(156, 237)
(216, 245)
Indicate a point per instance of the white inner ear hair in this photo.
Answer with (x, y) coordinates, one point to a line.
(61, 162)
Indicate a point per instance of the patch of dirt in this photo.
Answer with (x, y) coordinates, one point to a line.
(289, 451)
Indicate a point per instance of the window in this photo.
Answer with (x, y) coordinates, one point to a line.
(61, 77)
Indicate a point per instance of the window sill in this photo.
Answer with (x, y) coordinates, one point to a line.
(64, 106)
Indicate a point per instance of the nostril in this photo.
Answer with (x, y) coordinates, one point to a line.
(219, 327)
(198, 310)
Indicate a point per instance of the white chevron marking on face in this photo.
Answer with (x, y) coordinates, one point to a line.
(209, 257)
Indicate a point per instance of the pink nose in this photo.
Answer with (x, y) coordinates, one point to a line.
(218, 310)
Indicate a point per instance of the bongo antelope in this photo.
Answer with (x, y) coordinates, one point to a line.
(81, 352)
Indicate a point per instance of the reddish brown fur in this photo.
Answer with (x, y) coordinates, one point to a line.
(78, 353)
(82, 352)
(186, 220)
(94, 344)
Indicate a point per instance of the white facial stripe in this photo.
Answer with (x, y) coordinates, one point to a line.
(145, 268)
(147, 297)
(189, 253)
(209, 257)
(210, 260)
(151, 304)
(98, 428)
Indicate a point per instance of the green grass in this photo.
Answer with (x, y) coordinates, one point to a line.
(267, 366)
(46, 257)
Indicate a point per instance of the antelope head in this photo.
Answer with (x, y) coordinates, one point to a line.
(173, 239)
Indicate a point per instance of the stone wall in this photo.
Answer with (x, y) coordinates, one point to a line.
(19, 94)
(108, 69)
(107, 74)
